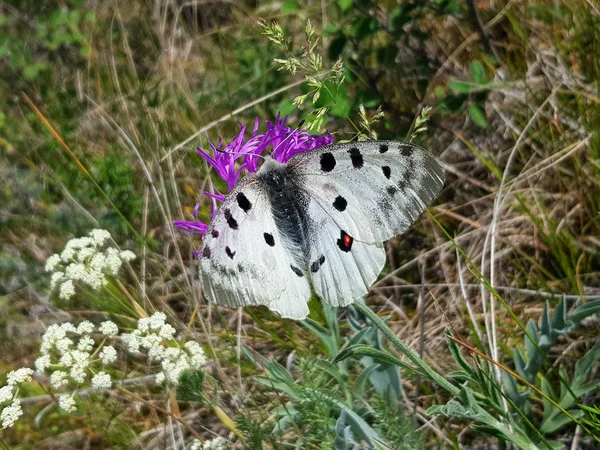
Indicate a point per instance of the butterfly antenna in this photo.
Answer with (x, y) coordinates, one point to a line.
(240, 153)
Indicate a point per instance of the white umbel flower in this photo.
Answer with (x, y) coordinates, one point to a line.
(11, 414)
(59, 379)
(85, 327)
(67, 403)
(22, 375)
(6, 393)
(217, 443)
(84, 261)
(108, 354)
(101, 380)
(52, 262)
(108, 328)
(67, 290)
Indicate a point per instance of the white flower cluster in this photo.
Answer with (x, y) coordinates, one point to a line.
(149, 338)
(10, 414)
(82, 260)
(217, 443)
(67, 351)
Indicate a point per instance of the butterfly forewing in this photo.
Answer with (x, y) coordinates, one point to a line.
(373, 190)
(242, 256)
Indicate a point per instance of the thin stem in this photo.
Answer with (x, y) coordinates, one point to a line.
(405, 350)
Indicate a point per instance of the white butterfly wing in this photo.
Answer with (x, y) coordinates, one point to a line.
(243, 261)
(373, 190)
(362, 194)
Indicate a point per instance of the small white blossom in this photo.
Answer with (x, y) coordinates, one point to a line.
(101, 380)
(67, 254)
(67, 290)
(127, 255)
(85, 327)
(132, 342)
(67, 403)
(66, 360)
(56, 277)
(167, 331)
(108, 354)
(85, 344)
(197, 355)
(157, 320)
(11, 414)
(59, 379)
(109, 328)
(22, 375)
(217, 443)
(52, 262)
(99, 236)
(6, 393)
(42, 363)
(63, 345)
(160, 378)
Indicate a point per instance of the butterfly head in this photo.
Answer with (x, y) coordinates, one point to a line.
(274, 175)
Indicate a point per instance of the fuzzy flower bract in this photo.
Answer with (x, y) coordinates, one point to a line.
(242, 155)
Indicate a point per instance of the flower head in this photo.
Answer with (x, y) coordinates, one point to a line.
(84, 261)
(283, 141)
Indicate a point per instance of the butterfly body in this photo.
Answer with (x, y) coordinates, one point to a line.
(318, 221)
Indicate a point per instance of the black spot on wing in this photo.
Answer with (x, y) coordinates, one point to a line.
(316, 265)
(214, 233)
(383, 148)
(230, 220)
(406, 150)
(327, 162)
(243, 202)
(229, 252)
(297, 271)
(391, 190)
(340, 203)
(206, 252)
(345, 241)
(387, 172)
(269, 239)
(356, 157)
(404, 182)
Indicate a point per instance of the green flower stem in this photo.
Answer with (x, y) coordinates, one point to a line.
(403, 348)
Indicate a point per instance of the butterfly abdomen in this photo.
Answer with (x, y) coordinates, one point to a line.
(289, 206)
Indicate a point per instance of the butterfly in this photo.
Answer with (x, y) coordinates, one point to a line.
(317, 222)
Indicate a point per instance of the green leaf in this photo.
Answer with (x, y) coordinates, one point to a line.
(360, 384)
(477, 72)
(478, 116)
(461, 87)
(324, 336)
(289, 6)
(360, 350)
(586, 310)
(344, 4)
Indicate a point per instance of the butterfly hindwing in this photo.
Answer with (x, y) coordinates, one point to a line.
(373, 190)
(242, 257)
(342, 269)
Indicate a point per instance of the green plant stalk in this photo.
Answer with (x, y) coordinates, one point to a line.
(405, 350)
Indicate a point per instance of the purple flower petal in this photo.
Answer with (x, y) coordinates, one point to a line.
(191, 227)
(284, 142)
